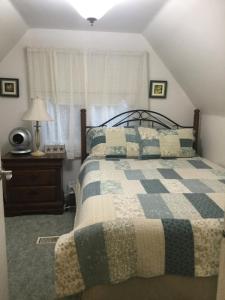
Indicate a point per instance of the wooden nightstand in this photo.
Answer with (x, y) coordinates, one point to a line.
(36, 184)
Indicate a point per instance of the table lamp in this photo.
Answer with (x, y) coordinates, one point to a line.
(37, 112)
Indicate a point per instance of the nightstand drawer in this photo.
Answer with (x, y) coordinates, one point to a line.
(36, 185)
(34, 177)
(33, 194)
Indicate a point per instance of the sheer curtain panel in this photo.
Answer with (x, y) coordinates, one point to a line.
(104, 82)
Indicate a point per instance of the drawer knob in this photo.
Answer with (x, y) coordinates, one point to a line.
(5, 173)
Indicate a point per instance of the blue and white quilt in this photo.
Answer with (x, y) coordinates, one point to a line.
(142, 218)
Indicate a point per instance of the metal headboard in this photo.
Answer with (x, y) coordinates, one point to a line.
(138, 116)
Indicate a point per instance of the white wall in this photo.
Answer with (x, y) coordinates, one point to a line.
(12, 109)
(213, 138)
(189, 37)
(177, 105)
(12, 27)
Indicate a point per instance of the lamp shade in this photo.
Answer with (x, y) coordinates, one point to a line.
(37, 111)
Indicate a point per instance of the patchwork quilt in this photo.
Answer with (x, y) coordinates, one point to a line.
(142, 218)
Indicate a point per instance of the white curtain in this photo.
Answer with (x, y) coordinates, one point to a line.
(104, 82)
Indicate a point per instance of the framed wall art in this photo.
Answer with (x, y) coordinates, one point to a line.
(9, 87)
(158, 89)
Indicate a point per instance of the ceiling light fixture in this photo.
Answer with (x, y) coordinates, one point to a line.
(93, 10)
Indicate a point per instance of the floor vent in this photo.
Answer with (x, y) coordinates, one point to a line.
(47, 239)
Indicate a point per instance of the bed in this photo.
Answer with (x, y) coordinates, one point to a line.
(147, 228)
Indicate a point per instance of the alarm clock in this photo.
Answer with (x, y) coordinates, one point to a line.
(20, 138)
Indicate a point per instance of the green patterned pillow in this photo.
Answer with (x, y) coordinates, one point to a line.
(142, 142)
(114, 142)
(186, 138)
(96, 141)
(169, 143)
(176, 142)
(149, 143)
(132, 141)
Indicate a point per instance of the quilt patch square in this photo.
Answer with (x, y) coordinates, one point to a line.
(205, 206)
(216, 185)
(98, 140)
(193, 173)
(207, 249)
(149, 232)
(91, 189)
(152, 142)
(91, 250)
(152, 174)
(218, 198)
(186, 142)
(127, 206)
(131, 138)
(174, 186)
(122, 165)
(149, 143)
(196, 186)
(91, 166)
(153, 186)
(199, 164)
(111, 186)
(169, 174)
(121, 246)
(169, 143)
(154, 207)
(134, 174)
(180, 206)
(179, 246)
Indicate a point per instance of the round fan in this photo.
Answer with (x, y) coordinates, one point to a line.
(20, 138)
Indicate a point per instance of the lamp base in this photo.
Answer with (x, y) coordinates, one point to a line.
(38, 153)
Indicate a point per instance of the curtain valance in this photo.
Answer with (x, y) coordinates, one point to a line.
(105, 82)
(88, 77)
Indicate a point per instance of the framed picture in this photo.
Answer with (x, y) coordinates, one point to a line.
(54, 148)
(9, 87)
(158, 89)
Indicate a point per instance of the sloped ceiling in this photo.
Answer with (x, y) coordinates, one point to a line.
(189, 36)
(127, 16)
(12, 27)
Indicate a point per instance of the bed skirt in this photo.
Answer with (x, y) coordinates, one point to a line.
(166, 287)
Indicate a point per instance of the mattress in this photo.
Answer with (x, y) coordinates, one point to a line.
(142, 218)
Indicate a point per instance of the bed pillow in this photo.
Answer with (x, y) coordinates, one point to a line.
(186, 138)
(96, 141)
(149, 143)
(169, 143)
(114, 142)
(176, 142)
